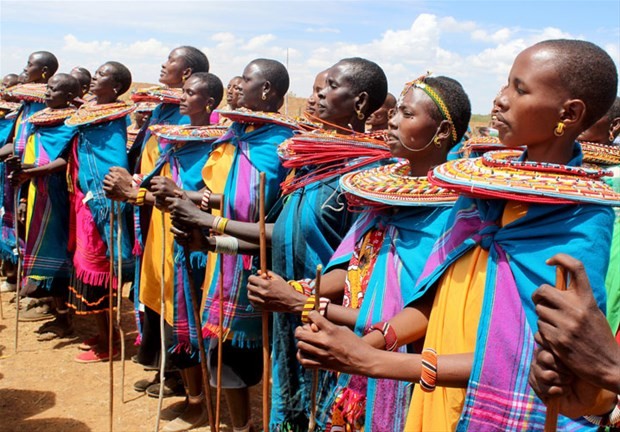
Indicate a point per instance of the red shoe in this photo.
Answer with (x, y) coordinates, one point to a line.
(93, 356)
(88, 344)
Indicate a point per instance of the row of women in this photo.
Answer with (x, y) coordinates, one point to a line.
(422, 290)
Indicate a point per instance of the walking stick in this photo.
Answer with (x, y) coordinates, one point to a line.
(553, 405)
(119, 292)
(206, 385)
(19, 264)
(220, 341)
(111, 320)
(315, 373)
(162, 311)
(265, 317)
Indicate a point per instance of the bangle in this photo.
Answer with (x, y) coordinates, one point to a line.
(297, 286)
(389, 335)
(141, 196)
(310, 305)
(23, 201)
(205, 201)
(219, 224)
(308, 286)
(136, 180)
(428, 377)
(226, 245)
(610, 419)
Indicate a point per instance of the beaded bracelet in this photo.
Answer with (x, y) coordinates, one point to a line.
(428, 377)
(309, 306)
(226, 245)
(307, 285)
(611, 419)
(389, 335)
(205, 202)
(140, 197)
(219, 224)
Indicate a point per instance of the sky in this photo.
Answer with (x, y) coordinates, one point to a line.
(474, 42)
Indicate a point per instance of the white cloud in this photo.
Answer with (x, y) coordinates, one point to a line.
(258, 41)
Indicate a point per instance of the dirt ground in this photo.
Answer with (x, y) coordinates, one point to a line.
(43, 389)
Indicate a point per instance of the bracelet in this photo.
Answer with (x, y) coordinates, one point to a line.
(610, 419)
(310, 305)
(136, 180)
(297, 286)
(23, 201)
(389, 335)
(308, 286)
(219, 224)
(141, 196)
(226, 245)
(205, 201)
(428, 377)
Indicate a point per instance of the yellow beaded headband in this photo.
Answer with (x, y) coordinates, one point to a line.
(441, 105)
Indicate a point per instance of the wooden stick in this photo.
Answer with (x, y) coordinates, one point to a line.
(553, 406)
(206, 385)
(19, 263)
(315, 373)
(119, 293)
(220, 341)
(265, 317)
(162, 312)
(111, 320)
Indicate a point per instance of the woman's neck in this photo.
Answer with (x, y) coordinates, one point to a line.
(202, 119)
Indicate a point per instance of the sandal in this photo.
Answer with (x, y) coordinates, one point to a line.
(54, 330)
(93, 356)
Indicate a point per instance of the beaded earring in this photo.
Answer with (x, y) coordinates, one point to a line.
(559, 129)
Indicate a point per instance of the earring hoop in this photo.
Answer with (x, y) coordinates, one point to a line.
(264, 97)
(437, 142)
(208, 109)
(360, 115)
(559, 129)
(43, 75)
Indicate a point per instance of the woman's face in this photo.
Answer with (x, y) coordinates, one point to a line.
(337, 99)
(232, 93)
(319, 83)
(103, 83)
(194, 99)
(34, 69)
(412, 125)
(55, 95)
(251, 88)
(527, 109)
(172, 70)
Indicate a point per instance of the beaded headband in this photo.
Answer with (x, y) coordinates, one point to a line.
(441, 105)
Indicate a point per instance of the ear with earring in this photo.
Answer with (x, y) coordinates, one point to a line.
(264, 97)
(360, 115)
(437, 142)
(208, 109)
(44, 75)
(559, 129)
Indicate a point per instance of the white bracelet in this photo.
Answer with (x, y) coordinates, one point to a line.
(612, 419)
(226, 245)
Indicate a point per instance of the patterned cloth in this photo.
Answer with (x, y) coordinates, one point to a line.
(183, 163)
(498, 395)
(46, 255)
(255, 151)
(98, 148)
(386, 252)
(312, 223)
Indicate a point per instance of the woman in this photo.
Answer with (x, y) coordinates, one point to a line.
(382, 255)
(46, 259)
(482, 272)
(233, 170)
(102, 136)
